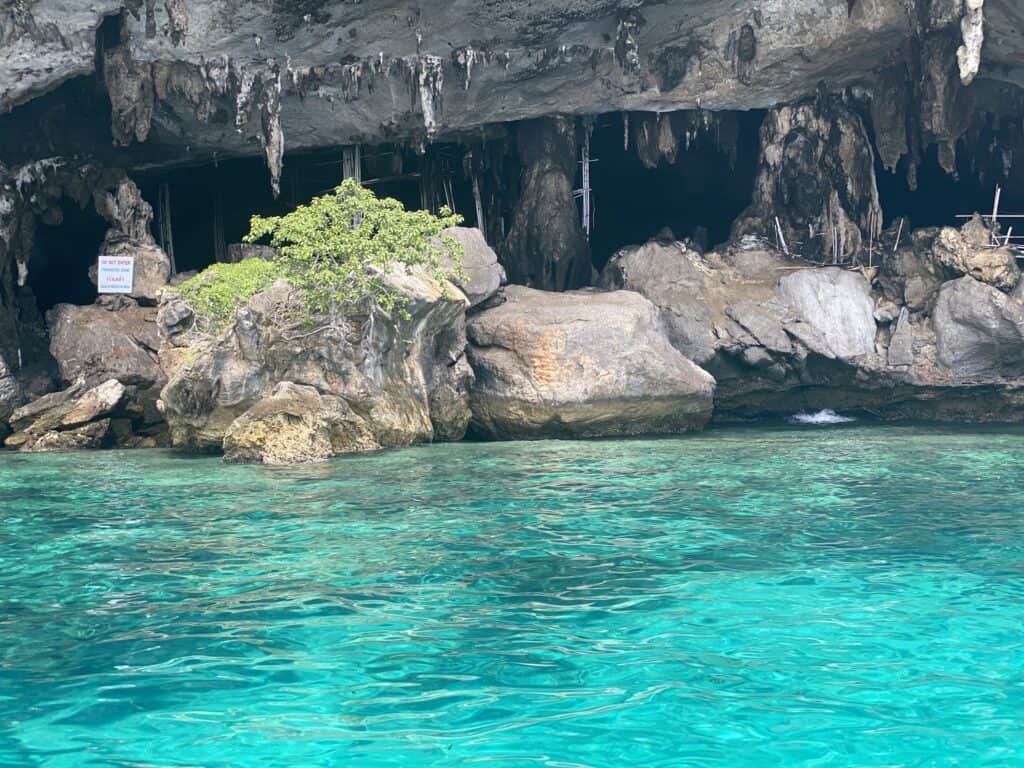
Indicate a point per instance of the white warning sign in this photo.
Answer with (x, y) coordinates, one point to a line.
(116, 274)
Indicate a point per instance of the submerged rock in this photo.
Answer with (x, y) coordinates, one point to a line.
(363, 381)
(581, 364)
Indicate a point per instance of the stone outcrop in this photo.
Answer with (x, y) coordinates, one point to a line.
(95, 343)
(546, 247)
(78, 417)
(581, 364)
(969, 251)
(482, 275)
(782, 337)
(296, 424)
(360, 382)
(816, 182)
(979, 331)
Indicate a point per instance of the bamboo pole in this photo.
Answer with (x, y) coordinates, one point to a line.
(166, 231)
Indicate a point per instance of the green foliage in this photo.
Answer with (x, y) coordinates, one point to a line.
(220, 289)
(336, 249)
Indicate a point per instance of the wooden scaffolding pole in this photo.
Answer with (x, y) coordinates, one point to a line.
(165, 231)
(352, 163)
(220, 244)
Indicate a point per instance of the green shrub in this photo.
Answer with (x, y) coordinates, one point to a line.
(219, 290)
(336, 249)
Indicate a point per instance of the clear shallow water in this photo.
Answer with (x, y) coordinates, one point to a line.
(748, 597)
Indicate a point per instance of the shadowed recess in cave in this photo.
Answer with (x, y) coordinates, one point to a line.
(211, 205)
(940, 198)
(63, 253)
(697, 190)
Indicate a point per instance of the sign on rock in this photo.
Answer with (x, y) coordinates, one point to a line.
(116, 274)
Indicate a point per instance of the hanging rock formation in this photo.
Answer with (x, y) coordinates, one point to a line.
(816, 182)
(546, 247)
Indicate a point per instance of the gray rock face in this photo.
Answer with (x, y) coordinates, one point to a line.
(838, 305)
(95, 344)
(78, 417)
(581, 364)
(816, 181)
(979, 331)
(297, 425)
(968, 251)
(483, 274)
(381, 381)
(780, 338)
(42, 44)
(10, 395)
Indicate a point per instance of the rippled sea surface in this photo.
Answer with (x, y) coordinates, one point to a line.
(842, 596)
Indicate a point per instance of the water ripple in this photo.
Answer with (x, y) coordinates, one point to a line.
(747, 597)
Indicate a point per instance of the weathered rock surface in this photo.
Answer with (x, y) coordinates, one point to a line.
(816, 181)
(581, 364)
(979, 331)
(780, 337)
(546, 248)
(379, 381)
(483, 274)
(297, 425)
(837, 304)
(78, 417)
(969, 251)
(95, 344)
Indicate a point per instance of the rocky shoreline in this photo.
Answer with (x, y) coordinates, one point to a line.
(678, 212)
(670, 339)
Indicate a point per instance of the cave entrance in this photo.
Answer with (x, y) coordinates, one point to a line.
(63, 254)
(698, 196)
(940, 198)
(210, 206)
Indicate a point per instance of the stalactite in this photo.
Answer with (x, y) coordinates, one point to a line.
(627, 46)
(431, 89)
(972, 29)
(177, 20)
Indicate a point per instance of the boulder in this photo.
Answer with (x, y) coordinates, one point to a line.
(152, 269)
(979, 330)
(969, 251)
(89, 436)
(95, 344)
(78, 417)
(384, 380)
(581, 364)
(296, 425)
(679, 281)
(10, 395)
(482, 274)
(838, 305)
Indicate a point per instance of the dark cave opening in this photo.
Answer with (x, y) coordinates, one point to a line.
(941, 198)
(62, 256)
(211, 205)
(699, 196)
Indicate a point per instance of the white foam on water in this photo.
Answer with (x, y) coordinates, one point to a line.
(825, 417)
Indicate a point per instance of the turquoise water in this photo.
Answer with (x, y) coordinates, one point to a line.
(846, 596)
